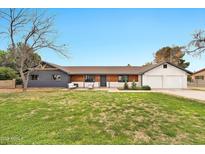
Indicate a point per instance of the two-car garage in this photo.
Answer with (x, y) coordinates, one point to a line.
(165, 76)
(168, 81)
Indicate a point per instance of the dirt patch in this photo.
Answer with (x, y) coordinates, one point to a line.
(68, 118)
(45, 117)
(31, 89)
(11, 90)
(140, 136)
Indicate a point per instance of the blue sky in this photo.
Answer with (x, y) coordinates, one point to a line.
(122, 36)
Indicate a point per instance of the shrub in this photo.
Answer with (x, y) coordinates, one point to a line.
(134, 85)
(7, 73)
(146, 88)
(126, 85)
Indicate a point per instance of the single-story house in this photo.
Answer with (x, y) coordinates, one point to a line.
(199, 75)
(162, 75)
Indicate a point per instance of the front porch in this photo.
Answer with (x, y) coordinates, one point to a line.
(108, 81)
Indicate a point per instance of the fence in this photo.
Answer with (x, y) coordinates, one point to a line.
(8, 84)
(197, 83)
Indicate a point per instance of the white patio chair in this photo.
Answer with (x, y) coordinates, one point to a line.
(90, 85)
(71, 86)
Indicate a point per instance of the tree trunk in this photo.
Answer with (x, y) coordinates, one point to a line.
(24, 79)
(27, 78)
(25, 86)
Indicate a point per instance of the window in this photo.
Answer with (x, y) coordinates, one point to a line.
(89, 78)
(123, 78)
(34, 77)
(56, 77)
(199, 77)
(165, 66)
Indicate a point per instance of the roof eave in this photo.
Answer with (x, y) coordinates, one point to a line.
(103, 73)
(56, 66)
(189, 72)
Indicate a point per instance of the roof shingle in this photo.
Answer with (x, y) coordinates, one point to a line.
(110, 69)
(102, 69)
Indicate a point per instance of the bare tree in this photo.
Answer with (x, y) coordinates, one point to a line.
(197, 46)
(28, 31)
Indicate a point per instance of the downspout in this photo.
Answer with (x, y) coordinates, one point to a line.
(83, 81)
(109, 81)
(142, 79)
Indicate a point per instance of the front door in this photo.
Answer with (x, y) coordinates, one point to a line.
(103, 81)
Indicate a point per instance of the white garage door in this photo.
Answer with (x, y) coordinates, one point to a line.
(154, 81)
(173, 82)
(165, 81)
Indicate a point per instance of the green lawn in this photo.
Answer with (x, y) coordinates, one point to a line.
(88, 117)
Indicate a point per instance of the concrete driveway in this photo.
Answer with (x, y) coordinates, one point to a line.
(192, 94)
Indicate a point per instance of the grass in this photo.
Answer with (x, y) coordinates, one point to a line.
(88, 117)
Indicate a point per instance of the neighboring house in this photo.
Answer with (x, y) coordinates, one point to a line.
(162, 75)
(198, 79)
(199, 75)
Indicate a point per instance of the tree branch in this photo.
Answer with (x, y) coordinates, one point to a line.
(197, 46)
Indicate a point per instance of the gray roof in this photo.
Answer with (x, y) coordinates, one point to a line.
(110, 69)
(102, 69)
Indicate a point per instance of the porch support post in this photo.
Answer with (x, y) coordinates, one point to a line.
(83, 81)
(140, 80)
